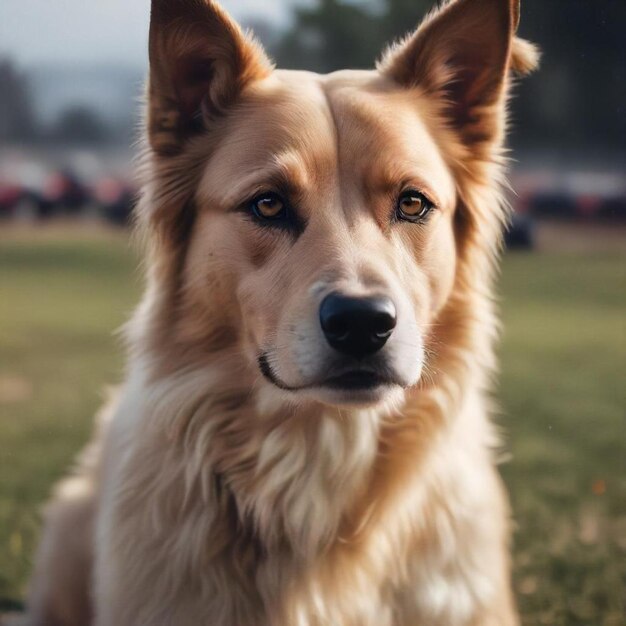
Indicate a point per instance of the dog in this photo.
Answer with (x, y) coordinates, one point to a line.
(303, 437)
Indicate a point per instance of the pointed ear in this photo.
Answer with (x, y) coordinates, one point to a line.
(462, 54)
(200, 60)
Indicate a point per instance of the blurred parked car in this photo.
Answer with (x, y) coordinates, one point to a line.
(553, 204)
(62, 193)
(520, 233)
(586, 195)
(613, 208)
(17, 200)
(9, 197)
(114, 199)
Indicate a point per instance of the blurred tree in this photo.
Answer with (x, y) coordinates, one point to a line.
(79, 124)
(17, 122)
(400, 17)
(331, 35)
(335, 34)
(577, 100)
(574, 106)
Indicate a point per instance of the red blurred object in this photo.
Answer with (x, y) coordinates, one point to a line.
(108, 190)
(9, 196)
(114, 198)
(588, 205)
(13, 195)
(63, 192)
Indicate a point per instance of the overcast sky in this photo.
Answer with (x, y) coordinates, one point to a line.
(95, 31)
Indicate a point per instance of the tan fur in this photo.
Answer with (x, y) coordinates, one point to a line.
(212, 496)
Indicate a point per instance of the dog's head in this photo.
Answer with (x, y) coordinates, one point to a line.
(318, 222)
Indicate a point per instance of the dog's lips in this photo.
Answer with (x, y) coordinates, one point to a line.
(356, 380)
(352, 380)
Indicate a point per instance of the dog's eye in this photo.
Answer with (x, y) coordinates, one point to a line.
(413, 206)
(269, 206)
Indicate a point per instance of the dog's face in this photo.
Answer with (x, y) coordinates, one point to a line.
(325, 226)
(329, 209)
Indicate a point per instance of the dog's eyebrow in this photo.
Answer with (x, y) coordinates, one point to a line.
(389, 178)
(285, 172)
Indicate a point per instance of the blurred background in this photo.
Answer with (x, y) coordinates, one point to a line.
(71, 79)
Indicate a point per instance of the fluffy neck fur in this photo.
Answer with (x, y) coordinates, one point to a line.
(288, 486)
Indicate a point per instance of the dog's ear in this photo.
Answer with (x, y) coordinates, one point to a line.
(463, 54)
(200, 60)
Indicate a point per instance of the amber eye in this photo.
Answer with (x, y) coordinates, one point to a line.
(413, 206)
(269, 206)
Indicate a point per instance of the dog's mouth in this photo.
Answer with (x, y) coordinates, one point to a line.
(346, 379)
(357, 379)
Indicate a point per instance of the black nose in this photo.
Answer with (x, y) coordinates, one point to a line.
(357, 326)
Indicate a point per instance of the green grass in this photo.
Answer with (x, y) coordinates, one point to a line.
(563, 360)
(562, 389)
(60, 301)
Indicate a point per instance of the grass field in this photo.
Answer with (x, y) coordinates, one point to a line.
(561, 392)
